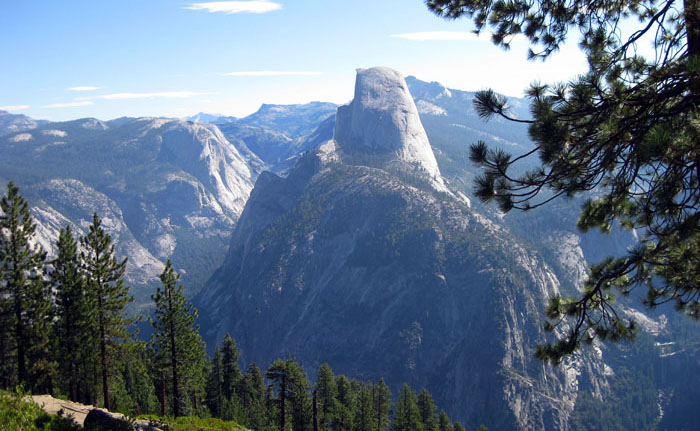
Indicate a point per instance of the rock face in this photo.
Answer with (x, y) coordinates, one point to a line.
(383, 121)
(13, 123)
(165, 189)
(348, 263)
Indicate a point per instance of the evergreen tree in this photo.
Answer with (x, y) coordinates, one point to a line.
(253, 395)
(427, 408)
(345, 407)
(215, 381)
(458, 426)
(365, 414)
(178, 345)
(231, 371)
(382, 402)
(292, 396)
(407, 416)
(444, 423)
(109, 296)
(23, 299)
(40, 351)
(6, 364)
(73, 328)
(253, 386)
(628, 128)
(326, 393)
(138, 381)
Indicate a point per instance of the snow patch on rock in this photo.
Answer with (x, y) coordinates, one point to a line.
(57, 133)
(22, 137)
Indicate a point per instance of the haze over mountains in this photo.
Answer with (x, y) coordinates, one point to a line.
(344, 239)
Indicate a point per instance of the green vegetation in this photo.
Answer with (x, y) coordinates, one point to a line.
(178, 346)
(191, 423)
(24, 303)
(18, 414)
(104, 279)
(627, 129)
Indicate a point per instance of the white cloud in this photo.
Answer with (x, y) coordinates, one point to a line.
(438, 35)
(229, 7)
(160, 94)
(83, 88)
(14, 107)
(68, 105)
(271, 73)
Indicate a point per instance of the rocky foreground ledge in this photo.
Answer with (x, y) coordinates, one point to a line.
(85, 415)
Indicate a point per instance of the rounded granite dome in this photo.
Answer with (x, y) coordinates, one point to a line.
(382, 119)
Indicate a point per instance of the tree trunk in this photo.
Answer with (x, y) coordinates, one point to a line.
(105, 380)
(21, 342)
(173, 358)
(103, 354)
(162, 395)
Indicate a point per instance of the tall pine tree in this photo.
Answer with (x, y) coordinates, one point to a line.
(179, 347)
(105, 284)
(22, 294)
(327, 396)
(215, 379)
(231, 371)
(382, 402)
(407, 417)
(253, 397)
(365, 414)
(292, 397)
(427, 408)
(73, 327)
(345, 407)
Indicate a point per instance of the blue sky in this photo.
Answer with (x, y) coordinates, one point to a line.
(106, 59)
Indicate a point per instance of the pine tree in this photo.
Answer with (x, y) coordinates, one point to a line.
(73, 328)
(444, 423)
(365, 413)
(253, 396)
(458, 426)
(427, 408)
(109, 296)
(327, 393)
(138, 381)
(292, 396)
(40, 351)
(628, 128)
(6, 363)
(178, 345)
(215, 382)
(231, 371)
(345, 407)
(253, 387)
(24, 300)
(407, 416)
(382, 402)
